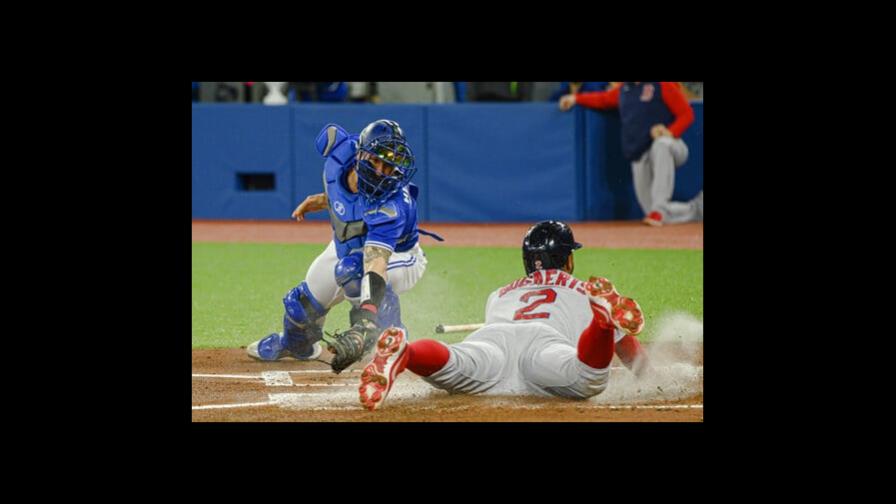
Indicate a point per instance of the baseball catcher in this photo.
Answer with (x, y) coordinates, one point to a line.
(374, 255)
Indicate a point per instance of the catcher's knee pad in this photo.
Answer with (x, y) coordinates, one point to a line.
(348, 272)
(303, 320)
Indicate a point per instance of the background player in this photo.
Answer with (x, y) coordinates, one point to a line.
(374, 255)
(547, 334)
(654, 149)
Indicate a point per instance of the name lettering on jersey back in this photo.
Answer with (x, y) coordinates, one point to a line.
(550, 277)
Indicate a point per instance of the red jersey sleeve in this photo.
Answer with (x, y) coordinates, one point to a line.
(599, 99)
(679, 106)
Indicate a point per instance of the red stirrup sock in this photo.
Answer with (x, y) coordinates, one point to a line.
(596, 343)
(632, 354)
(426, 356)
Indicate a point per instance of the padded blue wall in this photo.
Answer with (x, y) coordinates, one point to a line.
(477, 162)
(689, 176)
(233, 138)
(502, 162)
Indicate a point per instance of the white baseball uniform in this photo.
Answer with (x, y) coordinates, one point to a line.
(528, 345)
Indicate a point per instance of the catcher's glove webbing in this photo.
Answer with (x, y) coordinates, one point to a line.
(350, 346)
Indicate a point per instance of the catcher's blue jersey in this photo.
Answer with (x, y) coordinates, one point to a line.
(391, 225)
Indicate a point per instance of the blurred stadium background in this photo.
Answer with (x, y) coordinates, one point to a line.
(487, 151)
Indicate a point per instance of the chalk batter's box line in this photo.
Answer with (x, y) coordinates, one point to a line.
(271, 379)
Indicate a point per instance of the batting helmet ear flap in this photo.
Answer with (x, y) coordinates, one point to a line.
(535, 261)
(544, 260)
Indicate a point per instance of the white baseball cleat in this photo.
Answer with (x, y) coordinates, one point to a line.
(627, 315)
(625, 312)
(378, 376)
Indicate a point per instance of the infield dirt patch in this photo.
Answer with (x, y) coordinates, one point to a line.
(310, 392)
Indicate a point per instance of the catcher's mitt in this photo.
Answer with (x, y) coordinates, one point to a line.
(350, 346)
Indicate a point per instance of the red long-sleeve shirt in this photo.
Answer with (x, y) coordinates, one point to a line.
(672, 95)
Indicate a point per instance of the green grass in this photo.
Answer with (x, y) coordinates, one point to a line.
(238, 287)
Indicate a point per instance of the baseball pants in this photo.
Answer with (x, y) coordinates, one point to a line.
(518, 359)
(654, 178)
(403, 272)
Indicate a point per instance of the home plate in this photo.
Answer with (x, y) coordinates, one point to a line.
(277, 378)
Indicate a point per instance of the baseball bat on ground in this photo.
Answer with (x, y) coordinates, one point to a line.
(457, 328)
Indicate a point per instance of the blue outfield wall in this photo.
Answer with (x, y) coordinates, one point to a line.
(477, 162)
(232, 139)
(501, 162)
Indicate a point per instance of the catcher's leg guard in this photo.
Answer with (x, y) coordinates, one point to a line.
(389, 314)
(302, 329)
(303, 321)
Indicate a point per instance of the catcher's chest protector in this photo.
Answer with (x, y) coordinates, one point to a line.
(346, 214)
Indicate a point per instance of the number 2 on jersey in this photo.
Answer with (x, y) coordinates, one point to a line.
(523, 313)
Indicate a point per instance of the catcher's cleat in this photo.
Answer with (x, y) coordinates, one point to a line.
(272, 348)
(378, 376)
(624, 312)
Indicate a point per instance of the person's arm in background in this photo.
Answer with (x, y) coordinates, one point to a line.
(598, 100)
(674, 98)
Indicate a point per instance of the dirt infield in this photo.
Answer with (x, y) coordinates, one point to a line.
(228, 386)
(626, 234)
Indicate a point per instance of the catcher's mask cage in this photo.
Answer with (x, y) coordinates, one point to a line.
(385, 140)
(547, 245)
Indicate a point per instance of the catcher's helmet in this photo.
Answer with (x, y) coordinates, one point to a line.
(385, 140)
(547, 245)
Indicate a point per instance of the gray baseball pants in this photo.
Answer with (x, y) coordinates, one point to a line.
(654, 178)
